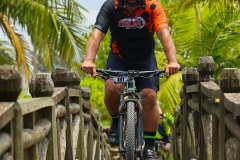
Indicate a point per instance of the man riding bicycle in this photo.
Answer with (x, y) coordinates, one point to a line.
(132, 24)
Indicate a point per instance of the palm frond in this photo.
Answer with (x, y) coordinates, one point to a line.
(55, 26)
(169, 94)
(20, 46)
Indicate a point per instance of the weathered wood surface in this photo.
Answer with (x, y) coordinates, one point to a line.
(232, 125)
(10, 83)
(6, 113)
(209, 114)
(5, 141)
(34, 104)
(59, 94)
(232, 102)
(52, 124)
(35, 135)
(211, 110)
(211, 89)
(192, 88)
(211, 107)
(60, 110)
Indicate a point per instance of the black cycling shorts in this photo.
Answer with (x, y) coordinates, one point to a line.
(148, 63)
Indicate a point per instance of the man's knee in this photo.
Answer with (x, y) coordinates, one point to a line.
(149, 99)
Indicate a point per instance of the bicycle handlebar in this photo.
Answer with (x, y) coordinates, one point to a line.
(110, 74)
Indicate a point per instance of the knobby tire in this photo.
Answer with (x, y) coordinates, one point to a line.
(130, 131)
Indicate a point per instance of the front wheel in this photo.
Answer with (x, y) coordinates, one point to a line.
(130, 131)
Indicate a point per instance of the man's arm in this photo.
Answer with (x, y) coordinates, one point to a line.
(170, 51)
(88, 65)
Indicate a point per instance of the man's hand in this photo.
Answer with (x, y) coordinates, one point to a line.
(171, 68)
(90, 68)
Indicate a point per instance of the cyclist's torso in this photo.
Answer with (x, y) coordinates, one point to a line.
(132, 34)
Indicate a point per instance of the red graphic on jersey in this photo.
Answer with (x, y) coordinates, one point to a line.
(115, 49)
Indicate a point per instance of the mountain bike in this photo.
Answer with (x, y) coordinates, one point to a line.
(130, 125)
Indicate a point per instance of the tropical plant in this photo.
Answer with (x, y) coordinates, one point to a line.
(169, 94)
(55, 28)
(206, 28)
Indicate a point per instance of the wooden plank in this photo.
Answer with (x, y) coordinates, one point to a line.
(6, 113)
(5, 141)
(90, 142)
(74, 93)
(232, 102)
(232, 125)
(81, 151)
(184, 140)
(17, 132)
(34, 136)
(59, 94)
(69, 151)
(192, 88)
(193, 105)
(86, 105)
(211, 107)
(52, 153)
(210, 89)
(29, 121)
(97, 154)
(34, 104)
(222, 131)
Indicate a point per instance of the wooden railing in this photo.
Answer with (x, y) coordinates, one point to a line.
(57, 123)
(207, 122)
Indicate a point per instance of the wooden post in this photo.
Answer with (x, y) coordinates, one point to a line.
(59, 76)
(206, 68)
(190, 76)
(41, 85)
(10, 88)
(229, 83)
(99, 129)
(80, 150)
(85, 91)
(17, 132)
(73, 83)
(10, 84)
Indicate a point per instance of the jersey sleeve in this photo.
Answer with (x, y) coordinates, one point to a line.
(103, 18)
(159, 17)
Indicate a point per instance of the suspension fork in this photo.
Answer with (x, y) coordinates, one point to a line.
(120, 123)
(139, 126)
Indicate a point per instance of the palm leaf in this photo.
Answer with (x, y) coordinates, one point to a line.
(169, 94)
(22, 53)
(53, 25)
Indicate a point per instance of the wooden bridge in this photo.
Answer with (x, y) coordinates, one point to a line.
(58, 122)
(207, 122)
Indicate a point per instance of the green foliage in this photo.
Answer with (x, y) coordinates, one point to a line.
(169, 94)
(55, 29)
(97, 96)
(6, 58)
(206, 28)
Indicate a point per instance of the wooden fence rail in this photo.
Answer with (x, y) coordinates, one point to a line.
(57, 123)
(207, 122)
